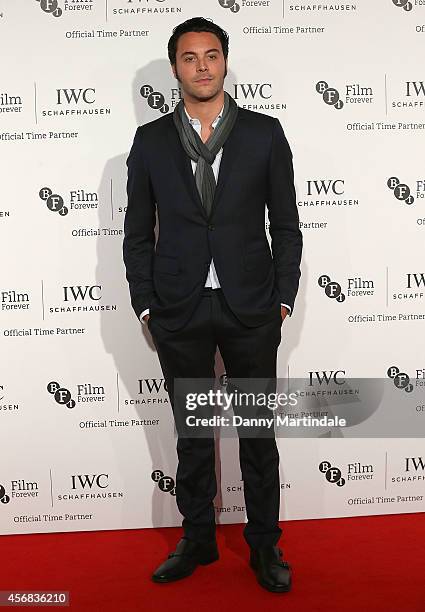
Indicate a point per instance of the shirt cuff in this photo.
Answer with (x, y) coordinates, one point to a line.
(288, 307)
(145, 312)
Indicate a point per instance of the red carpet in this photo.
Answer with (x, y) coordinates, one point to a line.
(368, 564)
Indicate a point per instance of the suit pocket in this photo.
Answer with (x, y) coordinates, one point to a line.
(258, 256)
(166, 264)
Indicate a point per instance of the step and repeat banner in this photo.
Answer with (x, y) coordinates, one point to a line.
(86, 434)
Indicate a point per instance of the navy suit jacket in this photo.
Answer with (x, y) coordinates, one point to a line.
(255, 171)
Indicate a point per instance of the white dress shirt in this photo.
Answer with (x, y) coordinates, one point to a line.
(212, 278)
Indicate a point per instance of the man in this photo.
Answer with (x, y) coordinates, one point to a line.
(209, 169)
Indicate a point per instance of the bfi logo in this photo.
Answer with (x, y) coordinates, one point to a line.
(332, 288)
(61, 395)
(354, 94)
(330, 95)
(232, 5)
(401, 379)
(165, 484)
(155, 99)
(54, 201)
(332, 474)
(401, 190)
(406, 5)
(4, 497)
(51, 7)
(78, 199)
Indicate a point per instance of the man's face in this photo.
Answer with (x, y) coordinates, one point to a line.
(200, 65)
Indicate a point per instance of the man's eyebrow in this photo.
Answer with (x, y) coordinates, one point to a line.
(193, 52)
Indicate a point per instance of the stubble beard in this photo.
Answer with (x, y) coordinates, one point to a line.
(194, 93)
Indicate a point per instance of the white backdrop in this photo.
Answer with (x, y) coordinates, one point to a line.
(74, 85)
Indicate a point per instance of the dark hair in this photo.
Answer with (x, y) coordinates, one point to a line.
(197, 24)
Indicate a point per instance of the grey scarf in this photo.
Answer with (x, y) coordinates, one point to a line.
(204, 153)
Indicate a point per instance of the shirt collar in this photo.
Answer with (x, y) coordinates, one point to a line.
(195, 121)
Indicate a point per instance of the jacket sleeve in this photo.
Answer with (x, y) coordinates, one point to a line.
(286, 237)
(139, 225)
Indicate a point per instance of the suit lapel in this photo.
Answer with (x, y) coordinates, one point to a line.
(184, 164)
(231, 149)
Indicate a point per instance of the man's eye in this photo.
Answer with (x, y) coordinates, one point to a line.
(212, 56)
(188, 59)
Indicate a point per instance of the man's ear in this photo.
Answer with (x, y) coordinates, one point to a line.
(173, 68)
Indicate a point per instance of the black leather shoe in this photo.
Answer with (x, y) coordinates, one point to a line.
(273, 573)
(184, 560)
